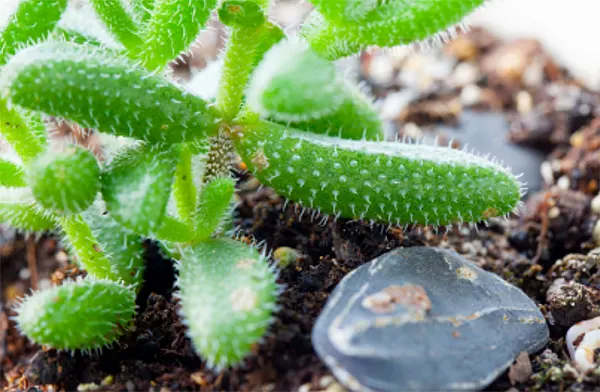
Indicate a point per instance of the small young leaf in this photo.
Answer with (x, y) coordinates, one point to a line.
(19, 210)
(171, 29)
(382, 181)
(23, 130)
(83, 243)
(11, 175)
(121, 22)
(137, 183)
(397, 22)
(184, 189)
(241, 13)
(173, 230)
(245, 48)
(65, 181)
(99, 89)
(215, 202)
(83, 314)
(228, 293)
(33, 21)
(309, 94)
(122, 248)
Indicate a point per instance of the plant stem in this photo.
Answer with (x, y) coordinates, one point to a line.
(87, 248)
(245, 49)
(184, 189)
(25, 133)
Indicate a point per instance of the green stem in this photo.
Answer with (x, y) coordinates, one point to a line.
(25, 132)
(184, 189)
(245, 49)
(87, 248)
(119, 22)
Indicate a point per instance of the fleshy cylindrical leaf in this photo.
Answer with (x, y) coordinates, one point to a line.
(23, 130)
(241, 13)
(65, 181)
(307, 87)
(84, 314)
(136, 186)
(171, 28)
(119, 18)
(99, 89)
(123, 248)
(309, 94)
(228, 293)
(11, 174)
(381, 181)
(346, 10)
(32, 21)
(215, 202)
(19, 210)
(397, 22)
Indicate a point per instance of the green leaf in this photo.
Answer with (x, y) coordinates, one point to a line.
(398, 22)
(346, 10)
(381, 181)
(136, 186)
(33, 21)
(19, 210)
(245, 48)
(214, 204)
(120, 21)
(171, 29)
(123, 248)
(184, 189)
(83, 314)
(309, 94)
(65, 34)
(228, 293)
(99, 89)
(173, 230)
(11, 175)
(83, 243)
(143, 8)
(23, 130)
(65, 181)
(241, 13)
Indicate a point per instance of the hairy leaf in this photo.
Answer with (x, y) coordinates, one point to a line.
(65, 181)
(101, 90)
(19, 210)
(346, 11)
(382, 181)
(184, 189)
(11, 175)
(171, 29)
(23, 130)
(83, 314)
(123, 248)
(136, 186)
(33, 21)
(241, 13)
(397, 22)
(120, 20)
(308, 93)
(228, 295)
(214, 204)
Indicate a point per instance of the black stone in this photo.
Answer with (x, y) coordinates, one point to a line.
(447, 324)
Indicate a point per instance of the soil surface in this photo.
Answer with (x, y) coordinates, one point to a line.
(547, 245)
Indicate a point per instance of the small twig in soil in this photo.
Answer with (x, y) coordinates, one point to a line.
(31, 257)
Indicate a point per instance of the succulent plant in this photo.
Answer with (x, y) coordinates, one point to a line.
(299, 126)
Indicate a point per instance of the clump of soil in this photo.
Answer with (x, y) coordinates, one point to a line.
(546, 251)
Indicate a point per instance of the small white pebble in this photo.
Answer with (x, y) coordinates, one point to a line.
(524, 102)
(596, 233)
(412, 130)
(564, 182)
(470, 95)
(396, 102)
(554, 213)
(464, 74)
(583, 353)
(62, 257)
(596, 204)
(547, 172)
(381, 69)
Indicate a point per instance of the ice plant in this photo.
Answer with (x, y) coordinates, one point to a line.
(297, 124)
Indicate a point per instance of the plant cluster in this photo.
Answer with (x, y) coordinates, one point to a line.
(299, 126)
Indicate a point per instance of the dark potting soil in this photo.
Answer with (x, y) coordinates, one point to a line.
(550, 240)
